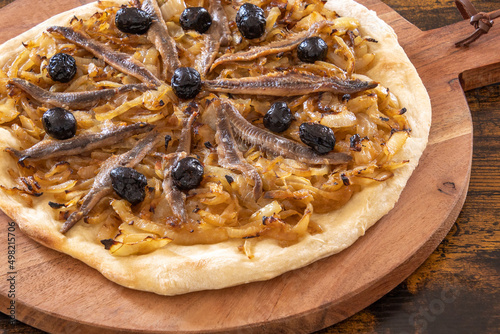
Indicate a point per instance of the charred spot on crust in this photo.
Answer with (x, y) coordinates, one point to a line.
(345, 179)
(229, 179)
(54, 205)
(355, 143)
(191, 108)
(208, 145)
(252, 236)
(107, 243)
(269, 220)
(168, 138)
(63, 215)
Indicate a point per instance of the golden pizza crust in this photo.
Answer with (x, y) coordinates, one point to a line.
(178, 269)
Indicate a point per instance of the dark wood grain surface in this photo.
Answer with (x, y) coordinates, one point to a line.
(457, 290)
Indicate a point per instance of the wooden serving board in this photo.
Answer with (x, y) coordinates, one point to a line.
(59, 294)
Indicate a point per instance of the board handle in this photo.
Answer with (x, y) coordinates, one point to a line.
(479, 20)
(435, 51)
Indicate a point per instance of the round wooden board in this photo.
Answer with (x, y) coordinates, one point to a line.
(57, 293)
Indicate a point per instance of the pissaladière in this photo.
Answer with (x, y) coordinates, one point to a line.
(262, 209)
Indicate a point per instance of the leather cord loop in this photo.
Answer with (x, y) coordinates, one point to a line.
(481, 21)
(465, 8)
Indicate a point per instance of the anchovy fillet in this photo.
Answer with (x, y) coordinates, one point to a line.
(229, 155)
(217, 35)
(119, 60)
(102, 182)
(47, 149)
(219, 15)
(176, 198)
(277, 145)
(73, 100)
(159, 36)
(287, 84)
(285, 45)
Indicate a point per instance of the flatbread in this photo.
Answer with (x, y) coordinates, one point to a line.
(178, 269)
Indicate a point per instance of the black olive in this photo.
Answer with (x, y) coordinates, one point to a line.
(278, 118)
(186, 83)
(131, 20)
(187, 173)
(251, 21)
(312, 49)
(319, 137)
(62, 67)
(195, 18)
(129, 184)
(59, 123)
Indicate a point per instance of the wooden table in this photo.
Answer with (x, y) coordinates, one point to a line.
(457, 289)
